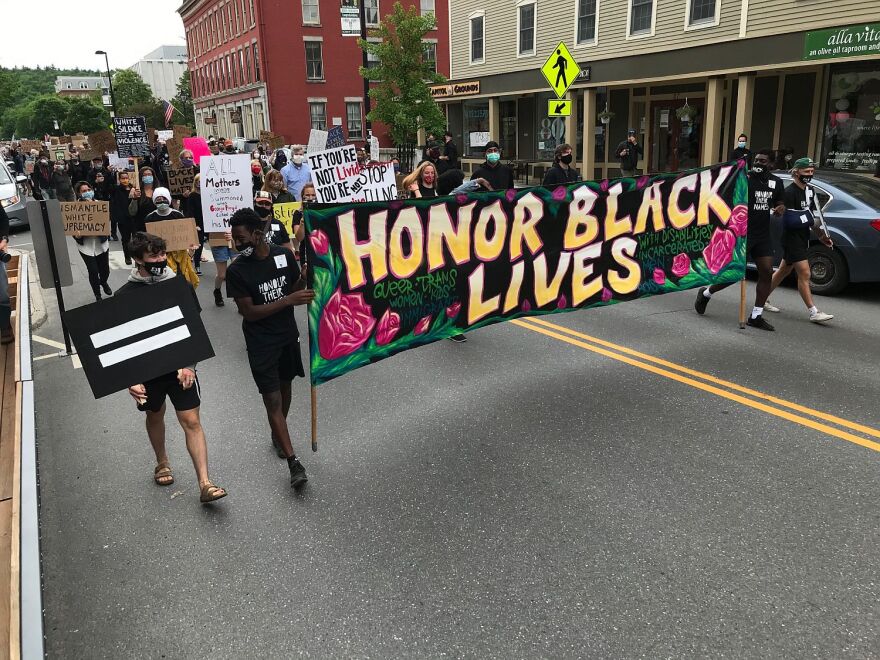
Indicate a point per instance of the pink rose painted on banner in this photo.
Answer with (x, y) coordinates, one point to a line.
(562, 303)
(320, 242)
(526, 306)
(642, 182)
(681, 265)
(559, 194)
(606, 294)
(389, 326)
(453, 310)
(423, 325)
(739, 220)
(346, 324)
(720, 250)
(511, 195)
(659, 276)
(461, 198)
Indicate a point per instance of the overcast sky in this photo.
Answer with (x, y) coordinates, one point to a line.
(67, 33)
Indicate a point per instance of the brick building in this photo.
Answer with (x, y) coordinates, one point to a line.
(285, 65)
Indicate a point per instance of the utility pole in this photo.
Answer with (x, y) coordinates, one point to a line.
(364, 62)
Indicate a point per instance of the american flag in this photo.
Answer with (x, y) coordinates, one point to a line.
(169, 111)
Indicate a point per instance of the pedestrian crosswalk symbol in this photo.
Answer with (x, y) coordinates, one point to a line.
(560, 69)
(558, 108)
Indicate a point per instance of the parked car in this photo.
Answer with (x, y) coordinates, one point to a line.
(851, 206)
(245, 146)
(12, 197)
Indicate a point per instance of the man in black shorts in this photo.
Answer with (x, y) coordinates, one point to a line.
(765, 197)
(265, 282)
(182, 387)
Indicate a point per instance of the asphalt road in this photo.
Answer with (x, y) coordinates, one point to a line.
(536, 492)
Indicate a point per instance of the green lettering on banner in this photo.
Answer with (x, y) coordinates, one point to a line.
(849, 41)
(390, 276)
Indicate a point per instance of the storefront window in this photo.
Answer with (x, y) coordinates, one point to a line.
(476, 128)
(600, 128)
(852, 123)
(550, 131)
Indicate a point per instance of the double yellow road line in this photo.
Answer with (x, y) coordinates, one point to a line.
(788, 410)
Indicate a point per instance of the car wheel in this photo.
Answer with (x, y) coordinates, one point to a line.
(829, 273)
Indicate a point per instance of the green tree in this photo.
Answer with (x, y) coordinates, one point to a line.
(86, 115)
(130, 90)
(401, 94)
(39, 116)
(151, 111)
(184, 102)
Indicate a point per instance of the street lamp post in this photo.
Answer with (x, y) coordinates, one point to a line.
(109, 79)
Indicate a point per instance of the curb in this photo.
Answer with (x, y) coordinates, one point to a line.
(39, 314)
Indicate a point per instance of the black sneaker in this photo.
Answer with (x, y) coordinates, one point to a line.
(278, 448)
(298, 476)
(128, 261)
(218, 298)
(107, 290)
(759, 322)
(701, 301)
(458, 339)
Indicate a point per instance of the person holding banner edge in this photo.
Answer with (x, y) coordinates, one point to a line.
(94, 250)
(275, 232)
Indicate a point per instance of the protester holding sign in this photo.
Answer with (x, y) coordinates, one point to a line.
(192, 206)
(180, 261)
(141, 200)
(94, 250)
(61, 183)
(43, 183)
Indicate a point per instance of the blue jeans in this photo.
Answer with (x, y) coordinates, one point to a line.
(5, 307)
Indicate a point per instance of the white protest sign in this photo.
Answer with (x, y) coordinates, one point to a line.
(165, 135)
(116, 162)
(374, 148)
(317, 141)
(331, 170)
(374, 183)
(226, 187)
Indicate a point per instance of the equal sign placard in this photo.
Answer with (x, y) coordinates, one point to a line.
(151, 326)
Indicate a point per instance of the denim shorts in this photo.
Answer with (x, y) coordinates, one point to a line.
(221, 253)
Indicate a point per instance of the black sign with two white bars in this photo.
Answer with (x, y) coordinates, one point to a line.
(139, 335)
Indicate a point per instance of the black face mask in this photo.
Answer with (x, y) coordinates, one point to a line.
(245, 249)
(156, 268)
(760, 170)
(566, 159)
(262, 211)
(230, 150)
(805, 178)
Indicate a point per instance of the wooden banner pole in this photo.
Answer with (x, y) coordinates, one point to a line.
(742, 303)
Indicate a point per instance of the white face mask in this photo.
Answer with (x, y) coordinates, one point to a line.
(297, 159)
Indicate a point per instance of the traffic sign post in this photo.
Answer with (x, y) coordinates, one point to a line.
(561, 69)
(559, 108)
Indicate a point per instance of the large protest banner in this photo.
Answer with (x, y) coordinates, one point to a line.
(390, 276)
(132, 137)
(225, 184)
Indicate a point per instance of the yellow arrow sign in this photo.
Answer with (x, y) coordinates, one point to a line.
(560, 69)
(558, 108)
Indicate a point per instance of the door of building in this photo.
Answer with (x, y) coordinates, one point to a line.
(507, 115)
(675, 144)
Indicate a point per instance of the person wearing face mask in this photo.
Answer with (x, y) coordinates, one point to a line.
(256, 176)
(309, 196)
(180, 261)
(42, 181)
(765, 198)
(800, 203)
(94, 250)
(230, 148)
(141, 199)
(279, 160)
(76, 169)
(742, 150)
(422, 182)
(181, 386)
(119, 203)
(187, 161)
(61, 182)
(273, 183)
(499, 176)
(213, 147)
(297, 172)
(266, 283)
(274, 231)
(192, 207)
(628, 153)
(562, 172)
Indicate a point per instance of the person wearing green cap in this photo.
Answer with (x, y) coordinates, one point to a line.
(800, 201)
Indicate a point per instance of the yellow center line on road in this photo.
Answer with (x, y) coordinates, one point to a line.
(852, 426)
(797, 419)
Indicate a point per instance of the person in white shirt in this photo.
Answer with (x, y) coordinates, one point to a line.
(94, 250)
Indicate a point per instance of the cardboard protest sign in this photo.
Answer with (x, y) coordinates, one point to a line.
(65, 139)
(276, 142)
(174, 148)
(86, 218)
(139, 335)
(27, 145)
(218, 240)
(179, 233)
(225, 185)
(103, 142)
(265, 136)
(335, 137)
(53, 140)
(88, 154)
(338, 178)
(132, 138)
(390, 276)
(180, 180)
(198, 146)
(58, 153)
(317, 141)
(78, 140)
(283, 213)
(179, 132)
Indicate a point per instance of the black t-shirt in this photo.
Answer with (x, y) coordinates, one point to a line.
(276, 233)
(451, 153)
(264, 281)
(797, 199)
(765, 194)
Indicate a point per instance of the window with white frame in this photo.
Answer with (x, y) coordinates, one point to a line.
(371, 9)
(311, 12)
(477, 27)
(586, 22)
(353, 120)
(701, 11)
(314, 61)
(641, 16)
(372, 60)
(430, 54)
(526, 28)
(318, 115)
(427, 6)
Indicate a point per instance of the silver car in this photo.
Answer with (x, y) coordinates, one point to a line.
(12, 197)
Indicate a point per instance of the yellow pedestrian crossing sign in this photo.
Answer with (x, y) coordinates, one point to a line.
(560, 69)
(558, 108)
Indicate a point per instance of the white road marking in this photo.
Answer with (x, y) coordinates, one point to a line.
(48, 342)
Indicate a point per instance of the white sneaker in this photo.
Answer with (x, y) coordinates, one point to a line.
(820, 317)
(770, 308)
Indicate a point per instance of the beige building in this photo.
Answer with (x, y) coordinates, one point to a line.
(798, 76)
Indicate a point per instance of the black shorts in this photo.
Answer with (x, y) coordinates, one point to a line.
(795, 245)
(169, 386)
(273, 366)
(759, 246)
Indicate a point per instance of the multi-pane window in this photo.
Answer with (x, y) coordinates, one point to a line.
(311, 13)
(640, 16)
(318, 115)
(586, 25)
(256, 64)
(477, 41)
(430, 54)
(314, 61)
(427, 6)
(371, 9)
(372, 60)
(702, 11)
(527, 29)
(247, 62)
(242, 79)
(353, 119)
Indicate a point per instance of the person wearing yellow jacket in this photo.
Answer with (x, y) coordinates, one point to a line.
(180, 261)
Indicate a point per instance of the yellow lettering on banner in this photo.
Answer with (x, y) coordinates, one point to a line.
(709, 197)
(615, 226)
(488, 248)
(679, 217)
(546, 292)
(582, 228)
(353, 250)
(511, 300)
(527, 213)
(457, 239)
(652, 204)
(623, 251)
(581, 289)
(477, 307)
(403, 266)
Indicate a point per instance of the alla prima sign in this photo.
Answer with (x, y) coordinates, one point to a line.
(391, 276)
(851, 41)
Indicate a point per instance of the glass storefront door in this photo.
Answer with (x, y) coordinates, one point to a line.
(675, 144)
(507, 112)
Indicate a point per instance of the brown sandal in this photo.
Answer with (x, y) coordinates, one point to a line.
(162, 475)
(211, 493)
